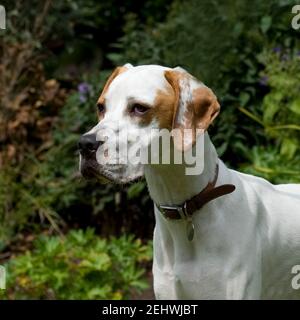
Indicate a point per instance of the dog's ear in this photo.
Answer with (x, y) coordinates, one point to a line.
(115, 73)
(195, 108)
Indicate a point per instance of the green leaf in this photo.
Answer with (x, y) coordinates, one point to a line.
(135, 189)
(265, 23)
(244, 98)
(271, 106)
(295, 106)
(288, 148)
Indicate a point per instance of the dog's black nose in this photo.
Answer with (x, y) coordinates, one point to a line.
(88, 144)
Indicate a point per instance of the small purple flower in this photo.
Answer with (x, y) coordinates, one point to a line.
(277, 49)
(84, 88)
(263, 81)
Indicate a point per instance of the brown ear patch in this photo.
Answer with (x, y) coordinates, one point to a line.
(205, 107)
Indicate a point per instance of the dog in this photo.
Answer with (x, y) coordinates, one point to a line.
(220, 234)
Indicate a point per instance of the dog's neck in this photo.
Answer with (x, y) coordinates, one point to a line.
(169, 184)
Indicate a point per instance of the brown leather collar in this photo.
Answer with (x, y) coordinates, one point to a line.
(186, 210)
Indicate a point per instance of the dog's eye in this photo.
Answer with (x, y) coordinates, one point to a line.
(100, 107)
(139, 109)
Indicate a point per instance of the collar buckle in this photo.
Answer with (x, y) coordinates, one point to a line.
(181, 210)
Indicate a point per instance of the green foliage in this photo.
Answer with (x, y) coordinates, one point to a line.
(220, 43)
(281, 106)
(21, 201)
(268, 163)
(78, 266)
(212, 39)
(279, 161)
(50, 191)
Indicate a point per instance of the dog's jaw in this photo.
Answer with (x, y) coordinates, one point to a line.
(116, 174)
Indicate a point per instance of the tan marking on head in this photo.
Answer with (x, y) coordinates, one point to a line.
(101, 99)
(173, 78)
(161, 111)
(164, 107)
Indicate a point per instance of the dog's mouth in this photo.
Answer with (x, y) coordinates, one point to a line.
(91, 170)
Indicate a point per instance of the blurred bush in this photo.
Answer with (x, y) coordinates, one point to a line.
(44, 52)
(29, 100)
(279, 161)
(79, 266)
(48, 191)
(281, 106)
(55, 58)
(43, 59)
(222, 44)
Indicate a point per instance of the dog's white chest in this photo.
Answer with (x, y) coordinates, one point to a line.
(185, 285)
(189, 271)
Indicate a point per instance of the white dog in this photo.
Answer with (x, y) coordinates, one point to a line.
(220, 234)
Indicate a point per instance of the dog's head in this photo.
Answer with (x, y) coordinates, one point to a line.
(134, 101)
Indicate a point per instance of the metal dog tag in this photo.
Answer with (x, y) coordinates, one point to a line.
(190, 229)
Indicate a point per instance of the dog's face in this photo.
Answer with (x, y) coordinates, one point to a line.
(134, 101)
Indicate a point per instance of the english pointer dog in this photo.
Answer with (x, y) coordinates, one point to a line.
(220, 234)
